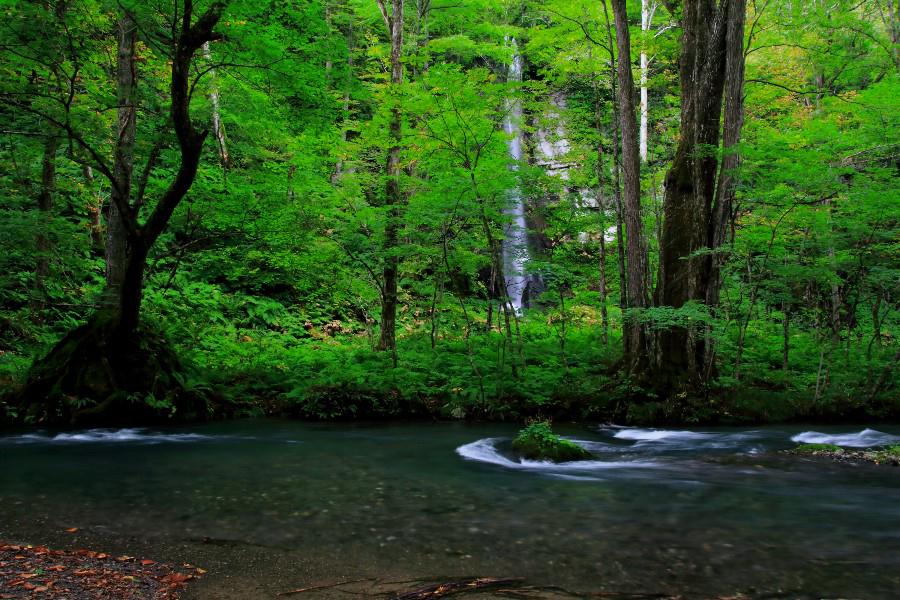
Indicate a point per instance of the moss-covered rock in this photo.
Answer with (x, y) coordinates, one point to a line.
(887, 455)
(538, 442)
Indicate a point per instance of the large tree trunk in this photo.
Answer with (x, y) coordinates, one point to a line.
(393, 193)
(699, 194)
(636, 252)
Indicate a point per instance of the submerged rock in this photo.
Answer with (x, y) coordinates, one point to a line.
(538, 442)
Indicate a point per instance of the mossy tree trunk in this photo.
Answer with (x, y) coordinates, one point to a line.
(393, 20)
(700, 187)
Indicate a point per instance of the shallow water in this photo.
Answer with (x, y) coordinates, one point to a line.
(700, 513)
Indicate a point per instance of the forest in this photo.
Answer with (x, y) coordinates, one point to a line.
(405, 299)
(641, 212)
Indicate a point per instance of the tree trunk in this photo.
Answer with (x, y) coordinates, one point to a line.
(617, 185)
(647, 11)
(393, 193)
(123, 159)
(94, 208)
(696, 209)
(42, 241)
(218, 129)
(601, 209)
(345, 113)
(786, 337)
(636, 253)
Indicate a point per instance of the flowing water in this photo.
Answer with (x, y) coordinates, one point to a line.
(268, 506)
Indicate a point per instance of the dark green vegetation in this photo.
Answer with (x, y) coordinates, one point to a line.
(537, 441)
(308, 208)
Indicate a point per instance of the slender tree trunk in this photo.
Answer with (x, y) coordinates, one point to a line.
(647, 10)
(423, 7)
(218, 129)
(893, 26)
(45, 208)
(635, 350)
(123, 160)
(94, 209)
(393, 193)
(617, 184)
(601, 209)
(786, 336)
(345, 114)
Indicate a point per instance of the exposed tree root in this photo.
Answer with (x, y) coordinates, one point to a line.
(92, 377)
(461, 586)
(318, 587)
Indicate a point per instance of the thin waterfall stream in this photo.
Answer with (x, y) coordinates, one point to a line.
(515, 242)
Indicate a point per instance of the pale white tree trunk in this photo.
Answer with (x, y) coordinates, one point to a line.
(647, 10)
(218, 129)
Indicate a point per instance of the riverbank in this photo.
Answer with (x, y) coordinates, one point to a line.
(28, 571)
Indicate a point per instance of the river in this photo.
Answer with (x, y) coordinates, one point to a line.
(270, 505)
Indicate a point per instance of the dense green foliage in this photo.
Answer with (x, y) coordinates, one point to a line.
(267, 280)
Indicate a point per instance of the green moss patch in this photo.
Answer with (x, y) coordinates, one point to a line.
(538, 442)
(814, 448)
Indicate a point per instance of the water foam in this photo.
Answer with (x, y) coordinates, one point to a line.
(134, 435)
(485, 450)
(683, 440)
(862, 439)
(655, 435)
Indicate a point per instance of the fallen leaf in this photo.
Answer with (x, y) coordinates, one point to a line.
(85, 572)
(147, 561)
(176, 578)
(71, 530)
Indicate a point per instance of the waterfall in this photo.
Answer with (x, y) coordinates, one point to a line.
(515, 242)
